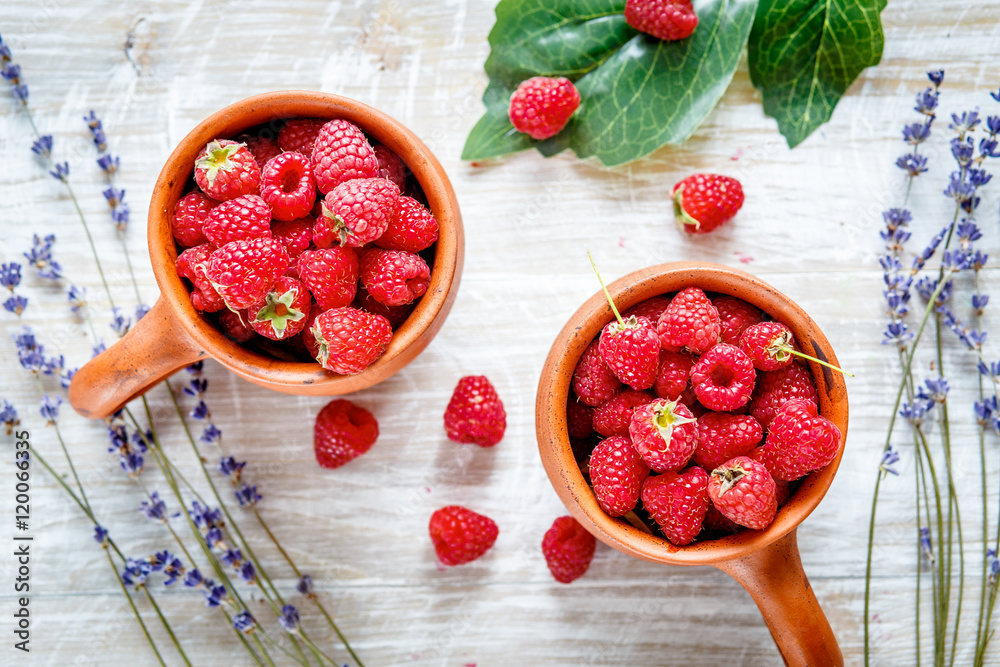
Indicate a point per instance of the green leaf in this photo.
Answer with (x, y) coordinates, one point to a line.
(638, 93)
(804, 54)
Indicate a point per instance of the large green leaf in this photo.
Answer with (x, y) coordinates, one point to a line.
(638, 93)
(804, 54)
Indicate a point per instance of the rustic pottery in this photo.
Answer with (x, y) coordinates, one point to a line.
(765, 562)
(173, 335)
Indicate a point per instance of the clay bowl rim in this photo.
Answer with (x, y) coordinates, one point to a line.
(556, 378)
(422, 324)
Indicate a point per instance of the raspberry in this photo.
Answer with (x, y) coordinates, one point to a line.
(460, 535)
(394, 277)
(286, 184)
(744, 492)
(390, 166)
(799, 441)
(190, 213)
(593, 380)
(768, 344)
(350, 340)
(395, 314)
(343, 431)
(245, 217)
(678, 502)
(307, 337)
(735, 315)
(614, 416)
(782, 489)
(191, 265)
(295, 235)
(244, 271)
(282, 312)
(723, 378)
(299, 135)
(579, 419)
(568, 549)
(236, 325)
(668, 20)
(776, 387)
(226, 170)
(356, 212)
(673, 375)
(475, 413)
(341, 153)
(541, 106)
(412, 229)
(723, 436)
(651, 308)
(331, 274)
(617, 473)
(690, 321)
(263, 148)
(704, 202)
(715, 521)
(631, 348)
(664, 433)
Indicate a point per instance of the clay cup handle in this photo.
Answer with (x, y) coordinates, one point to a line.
(776, 581)
(154, 348)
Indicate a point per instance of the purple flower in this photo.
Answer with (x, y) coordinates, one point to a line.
(193, 578)
(12, 73)
(244, 622)
(200, 411)
(962, 150)
(889, 457)
(925, 544)
(912, 163)
(40, 256)
(42, 146)
(979, 302)
(230, 466)
(97, 349)
(100, 534)
(195, 368)
(247, 495)
(114, 196)
(936, 390)
(131, 462)
(936, 77)
(993, 566)
(205, 517)
(916, 133)
(979, 177)
(120, 216)
(289, 618)
(305, 585)
(66, 377)
(896, 333)
(60, 172)
(232, 557)
(77, 298)
(210, 434)
(15, 304)
(215, 595)
(49, 408)
(154, 509)
(993, 125)
(108, 163)
(927, 101)
(96, 131)
(964, 123)
(8, 416)
(971, 338)
(248, 573)
(140, 311)
(10, 275)
(136, 572)
(121, 323)
(196, 387)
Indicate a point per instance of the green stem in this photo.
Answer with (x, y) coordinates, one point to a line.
(791, 350)
(135, 611)
(607, 294)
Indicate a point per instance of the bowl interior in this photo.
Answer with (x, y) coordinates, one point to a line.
(269, 110)
(580, 331)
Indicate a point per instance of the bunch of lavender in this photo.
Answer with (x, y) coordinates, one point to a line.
(221, 546)
(949, 264)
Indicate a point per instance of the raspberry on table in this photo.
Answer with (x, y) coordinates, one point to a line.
(412, 229)
(593, 380)
(245, 217)
(299, 135)
(349, 340)
(243, 271)
(631, 348)
(704, 202)
(226, 169)
(767, 344)
(282, 312)
(340, 153)
(287, 185)
(263, 148)
(568, 549)
(390, 166)
(799, 441)
(236, 325)
(191, 264)
(541, 106)
(331, 274)
(475, 413)
(356, 212)
(723, 378)
(395, 314)
(342, 432)
(650, 308)
(735, 315)
(295, 235)
(669, 20)
(664, 433)
(678, 502)
(776, 387)
(460, 535)
(394, 277)
(614, 415)
(744, 492)
(190, 213)
(617, 473)
(689, 322)
(723, 436)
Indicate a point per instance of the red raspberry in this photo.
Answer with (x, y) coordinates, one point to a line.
(673, 375)
(617, 473)
(286, 184)
(631, 349)
(715, 521)
(651, 308)
(782, 489)
(244, 271)
(799, 441)
(295, 235)
(343, 432)
(475, 413)
(568, 549)
(190, 214)
(282, 312)
(263, 148)
(356, 212)
(735, 315)
(390, 166)
(541, 106)
(668, 20)
(395, 314)
(236, 325)
(341, 153)
(593, 380)
(723, 378)
(776, 387)
(614, 416)
(744, 492)
(307, 337)
(350, 340)
(767, 345)
(460, 535)
(704, 202)
(664, 433)
(246, 217)
(331, 274)
(299, 135)
(690, 321)
(226, 170)
(413, 229)
(678, 502)
(723, 436)
(394, 277)
(191, 264)
(579, 419)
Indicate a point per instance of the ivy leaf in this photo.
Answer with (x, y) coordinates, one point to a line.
(804, 54)
(638, 93)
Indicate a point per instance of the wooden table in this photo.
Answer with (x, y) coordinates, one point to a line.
(810, 227)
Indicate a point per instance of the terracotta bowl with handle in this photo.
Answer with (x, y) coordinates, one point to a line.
(173, 334)
(765, 562)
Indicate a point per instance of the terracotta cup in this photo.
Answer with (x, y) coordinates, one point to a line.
(173, 335)
(765, 562)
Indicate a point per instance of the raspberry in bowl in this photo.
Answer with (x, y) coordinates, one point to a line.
(620, 485)
(264, 216)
